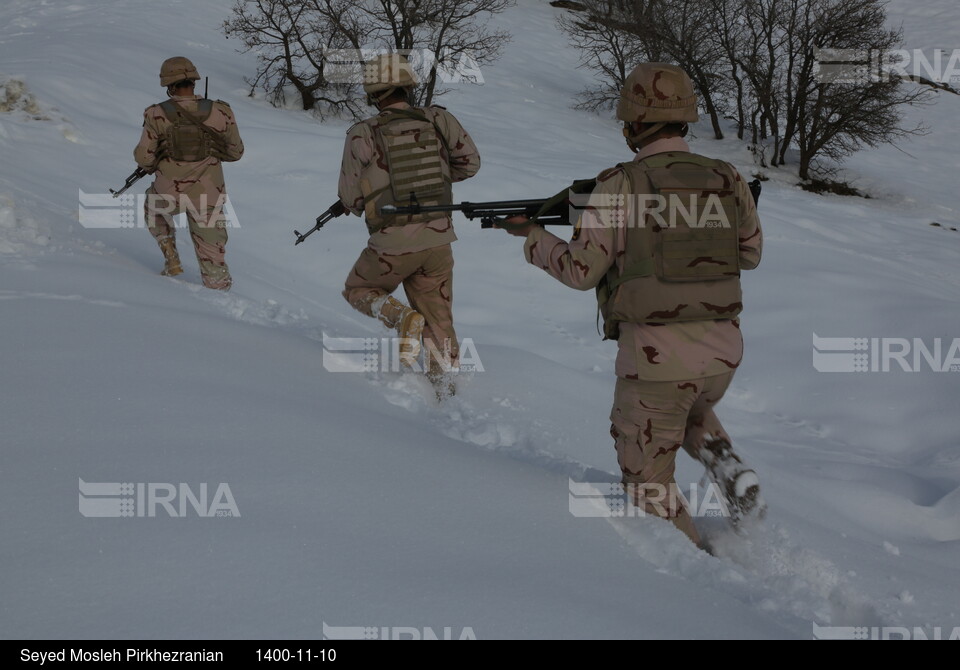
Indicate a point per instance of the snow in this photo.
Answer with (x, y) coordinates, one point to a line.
(364, 503)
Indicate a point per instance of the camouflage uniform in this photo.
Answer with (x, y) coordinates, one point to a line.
(196, 188)
(669, 374)
(417, 255)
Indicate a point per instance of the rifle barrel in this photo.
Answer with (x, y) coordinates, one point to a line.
(332, 212)
(470, 209)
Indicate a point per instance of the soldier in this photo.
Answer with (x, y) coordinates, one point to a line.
(400, 155)
(663, 240)
(184, 140)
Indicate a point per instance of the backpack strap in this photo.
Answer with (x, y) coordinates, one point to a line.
(175, 110)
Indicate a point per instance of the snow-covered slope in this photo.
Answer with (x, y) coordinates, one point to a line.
(362, 503)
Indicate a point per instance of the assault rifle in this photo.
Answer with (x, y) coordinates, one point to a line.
(335, 210)
(553, 211)
(137, 175)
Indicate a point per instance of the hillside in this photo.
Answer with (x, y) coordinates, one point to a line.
(362, 502)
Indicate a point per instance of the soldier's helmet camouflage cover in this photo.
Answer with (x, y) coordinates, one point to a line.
(657, 93)
(177, 69)
(385, 73)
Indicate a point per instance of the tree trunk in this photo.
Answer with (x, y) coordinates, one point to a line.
(714, 117)
(804, 164)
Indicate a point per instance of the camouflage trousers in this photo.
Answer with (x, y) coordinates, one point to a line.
(650, 422)
(208, 231)
(427, 278)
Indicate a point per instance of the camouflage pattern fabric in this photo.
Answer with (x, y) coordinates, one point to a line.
(427, 278)
(649, 423)
(416, 255)
(669, 375)
(651, 351)
(657, 93)
(364, 170)
(177, 69)
(196, 188)
(681, 245)
(208, 232)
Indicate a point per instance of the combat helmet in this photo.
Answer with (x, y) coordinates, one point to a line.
(386, 73)
(658, 94)
(177, 69)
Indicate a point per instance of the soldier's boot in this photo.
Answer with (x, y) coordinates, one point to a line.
(209, 243)
(738, 483)
(442, 381)
(216, 277)
(408, 323)
(171, 265)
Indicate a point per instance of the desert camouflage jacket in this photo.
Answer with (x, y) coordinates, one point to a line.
(653, 352)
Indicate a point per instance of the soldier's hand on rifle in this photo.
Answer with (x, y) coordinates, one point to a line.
(518, 226)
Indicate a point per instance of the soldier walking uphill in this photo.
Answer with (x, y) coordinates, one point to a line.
(184, 141)
(668, 287)
(400, 154)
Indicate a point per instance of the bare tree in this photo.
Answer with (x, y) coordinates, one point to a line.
(458, 31)
(834, 120)
(678, 31)
(726, 21)
(607, 50)
(289, 41)
(292, 37)
(757, 59)
(617, 34)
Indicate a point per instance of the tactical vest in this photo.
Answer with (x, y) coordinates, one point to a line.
(682, 245)
(186, 141)
(411, 145)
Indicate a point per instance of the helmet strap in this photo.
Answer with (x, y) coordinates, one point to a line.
(633, 141)
(374, 99)
(172, 88)
(626, 134)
